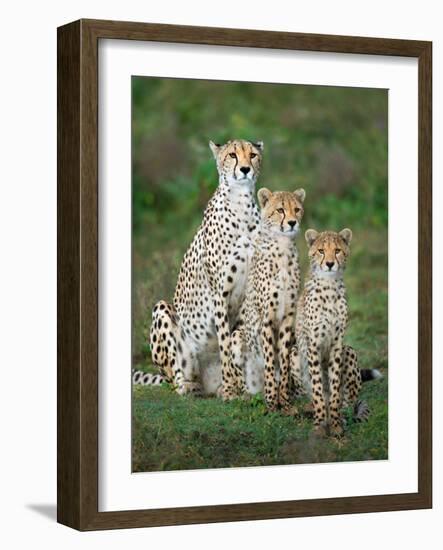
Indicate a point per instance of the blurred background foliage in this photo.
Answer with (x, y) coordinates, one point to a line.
(332, 141)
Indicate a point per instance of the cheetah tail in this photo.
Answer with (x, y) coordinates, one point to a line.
(361, 411)
(370, 374)
(146, 378)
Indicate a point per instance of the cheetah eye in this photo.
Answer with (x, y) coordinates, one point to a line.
(253, 155)
(233, 155)
(297, 210)
(321, 250)
(280, 210)
(337, 250)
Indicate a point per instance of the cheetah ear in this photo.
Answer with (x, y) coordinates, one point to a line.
(263, 196)
(258, 145)
(300, 194)
(346, 235)
(215, 148)
(310, 236)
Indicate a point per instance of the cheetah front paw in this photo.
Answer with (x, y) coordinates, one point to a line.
(308, 410)
(272, 405)
(284, 402)
(190, 388)
(321, 430)
(290, 410)
(228, 394)
(336, 430)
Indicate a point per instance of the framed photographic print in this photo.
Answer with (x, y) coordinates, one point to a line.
(244, 275)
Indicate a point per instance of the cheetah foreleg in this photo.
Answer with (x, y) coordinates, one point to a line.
(238, 360)
(296, 373)
(335, 379)
(284, 341)
(270, 384)
(229, 386)
(318, 397)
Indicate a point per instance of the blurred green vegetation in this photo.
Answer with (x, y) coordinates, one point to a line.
(333, 142)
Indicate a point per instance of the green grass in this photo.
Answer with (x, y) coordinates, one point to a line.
(333, 142)
(172, 433)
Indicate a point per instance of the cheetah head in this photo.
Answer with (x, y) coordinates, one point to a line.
(328, 251)
(282, 211)
(238, 161)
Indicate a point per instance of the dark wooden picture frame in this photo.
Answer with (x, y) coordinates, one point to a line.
(77, 456)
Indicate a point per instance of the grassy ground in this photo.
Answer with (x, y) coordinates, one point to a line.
(331, 141)
(175, 434)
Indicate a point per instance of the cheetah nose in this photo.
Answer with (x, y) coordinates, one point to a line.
(245, 169)
(292, 223)
(330, 265)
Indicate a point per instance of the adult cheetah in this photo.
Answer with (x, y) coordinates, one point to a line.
(327, 367)
(191, 338)
(267, 316)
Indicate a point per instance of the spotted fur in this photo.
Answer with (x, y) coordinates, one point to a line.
(147, 379)
(190, 340)
(321, 361)
(261, 344)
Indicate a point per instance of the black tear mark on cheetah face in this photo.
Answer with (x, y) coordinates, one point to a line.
(238, 161)
(282, 211)
(328, 251)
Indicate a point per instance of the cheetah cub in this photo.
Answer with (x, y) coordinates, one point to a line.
(320, 359)
(267, 315)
